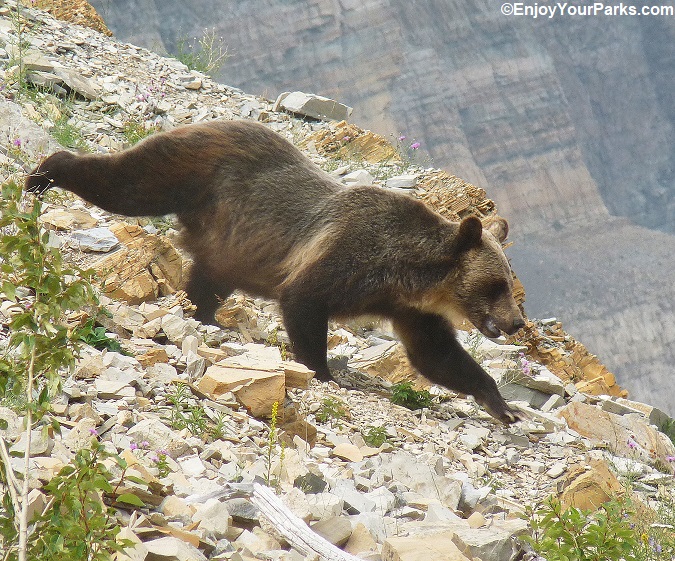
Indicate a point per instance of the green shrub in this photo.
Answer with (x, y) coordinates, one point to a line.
(581, 535)
(404, 394)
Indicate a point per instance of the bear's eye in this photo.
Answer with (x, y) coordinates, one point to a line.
(497, 289)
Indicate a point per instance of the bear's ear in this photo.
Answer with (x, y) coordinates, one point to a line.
(498, 227)
(469, 234)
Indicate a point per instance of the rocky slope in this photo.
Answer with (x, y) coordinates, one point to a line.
(545, 114)
(446, 472)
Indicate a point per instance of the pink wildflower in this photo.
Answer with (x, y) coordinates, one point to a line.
(415, 145)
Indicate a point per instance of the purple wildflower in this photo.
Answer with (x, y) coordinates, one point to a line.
(154, 458)
(401, 138)
(17, 142)
(93, 432)
(525, 365)
(670, 458)
(145, 444)
(415, 145)
(133, 446)
(631, 444)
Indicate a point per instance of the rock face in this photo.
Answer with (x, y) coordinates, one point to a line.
(543, 113)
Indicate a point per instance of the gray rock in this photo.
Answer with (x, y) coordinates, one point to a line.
(14, 424)
(406, 181)
(358, 178)
(95, 239)
(76, 82)
(484, 543)
(336, 530)
(405, 468)
(172, 549)
(312, 105)
(355, 502)
(514, 391)
(242, 510)
(177, 329)
(325, 505)
(214, 518)
(159, 437)
(41, 444)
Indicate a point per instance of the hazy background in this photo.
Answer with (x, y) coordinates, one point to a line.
(566, 122)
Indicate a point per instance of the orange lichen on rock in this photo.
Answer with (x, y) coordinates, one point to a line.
(76, 11)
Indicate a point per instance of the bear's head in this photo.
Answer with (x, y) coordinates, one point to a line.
(49, 173)
(479, 284)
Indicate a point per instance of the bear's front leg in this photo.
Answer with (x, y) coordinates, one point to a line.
(434, 350)
(306, 323)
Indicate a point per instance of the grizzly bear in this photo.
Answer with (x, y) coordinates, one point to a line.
(258, 216)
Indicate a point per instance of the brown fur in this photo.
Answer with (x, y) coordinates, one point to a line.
(259, 216)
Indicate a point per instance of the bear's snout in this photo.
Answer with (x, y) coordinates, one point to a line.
(518, 324)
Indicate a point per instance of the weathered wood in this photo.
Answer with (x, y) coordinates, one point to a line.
(294, 530)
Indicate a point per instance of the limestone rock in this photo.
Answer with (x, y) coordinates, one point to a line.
(75, 82)
(626, 435)
(257, 390)
(95, 239)
(14, 424)
(41, 443)
(361, 541)
(297, 374)
(325, 505)
(214, 518)
(348, 452)
(145, 267)
(336, 530)
(159, 437)
(440, 548)
(170, 548)
(358, 178)
(484, 543)
(312, 105)
(589, 489)
(61, 219)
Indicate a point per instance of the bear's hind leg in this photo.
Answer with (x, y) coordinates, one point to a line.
(434, 350)
(205, 294)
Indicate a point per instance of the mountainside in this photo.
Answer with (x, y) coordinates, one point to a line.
(565, 121)
(206, 441)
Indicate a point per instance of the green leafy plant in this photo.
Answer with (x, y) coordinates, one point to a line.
(473, 342)
(331, 409)
(66, 134)
(204, 54)
(273, 341)
(19, 47)
(96, 337)
(162, 463)
(271, 443)
(573, 534)
(185, 414)
(375, 436)
(407, 396)
(218, 430)
(41, 345)
(78, 524)
(668, 428)
(135, 131)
